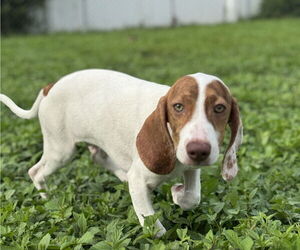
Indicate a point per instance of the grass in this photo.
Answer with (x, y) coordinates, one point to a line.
(90, 209)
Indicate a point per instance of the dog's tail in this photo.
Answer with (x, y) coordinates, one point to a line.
(25, 114)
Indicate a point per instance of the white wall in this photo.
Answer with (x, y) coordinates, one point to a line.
(199, 12)
(74, 15)
(116, 14)
(64, 15)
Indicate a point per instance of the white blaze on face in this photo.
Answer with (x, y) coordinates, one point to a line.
(199, 128)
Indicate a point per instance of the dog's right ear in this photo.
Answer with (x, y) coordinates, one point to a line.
(154, 143)
(230, 167)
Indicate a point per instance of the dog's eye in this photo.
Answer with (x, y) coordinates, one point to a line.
(178, 107)
(219, 108)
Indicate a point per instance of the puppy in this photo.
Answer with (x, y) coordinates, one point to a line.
(145, 133)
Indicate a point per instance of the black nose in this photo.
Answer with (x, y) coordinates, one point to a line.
(198, 150)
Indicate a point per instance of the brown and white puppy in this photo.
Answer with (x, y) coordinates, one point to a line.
(144, 132)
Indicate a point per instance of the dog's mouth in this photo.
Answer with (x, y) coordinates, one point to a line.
(195, 164)
(198, 163)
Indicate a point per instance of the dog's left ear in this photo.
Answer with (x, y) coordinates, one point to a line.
(230, 167)
(154, 143)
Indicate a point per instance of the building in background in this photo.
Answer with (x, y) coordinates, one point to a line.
(85, 15)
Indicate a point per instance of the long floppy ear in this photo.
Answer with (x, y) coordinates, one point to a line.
(154, 143)
(230, 167)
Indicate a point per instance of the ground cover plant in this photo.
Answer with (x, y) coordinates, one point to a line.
(89, 208)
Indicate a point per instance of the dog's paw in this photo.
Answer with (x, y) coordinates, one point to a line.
(161, 229)
(185, 199)
(177, 191)
(161, 232)
(43, 195)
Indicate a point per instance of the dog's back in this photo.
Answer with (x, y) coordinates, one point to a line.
(100, 107)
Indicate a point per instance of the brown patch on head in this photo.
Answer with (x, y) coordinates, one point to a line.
(185, 91)
(216, 93)
(154, 143)
(47, 89)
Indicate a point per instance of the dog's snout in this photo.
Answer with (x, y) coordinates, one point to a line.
(198, 151)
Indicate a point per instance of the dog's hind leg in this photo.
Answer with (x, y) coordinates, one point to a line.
(32, 173)
(100, 157)
(56, 154)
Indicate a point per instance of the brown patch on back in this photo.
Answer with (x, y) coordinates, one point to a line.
(216, 93)
(47, 89)
(186, 92)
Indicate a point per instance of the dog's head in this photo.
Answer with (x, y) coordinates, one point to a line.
(189, 124)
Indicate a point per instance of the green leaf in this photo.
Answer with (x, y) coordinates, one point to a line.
(252, 194)
(208, 241)
(8, 194)
(101, 246)
(44, 243)
(5, 230)
(247, 243)
(182, 233)
(233, 239)
(86, 238)
(209, 235)
(82, 223)
(78, 247)
(21, 228)
(218, 207)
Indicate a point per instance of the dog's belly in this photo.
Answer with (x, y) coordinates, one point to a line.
(101, 107)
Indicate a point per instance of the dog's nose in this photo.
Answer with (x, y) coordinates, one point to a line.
(198, 150)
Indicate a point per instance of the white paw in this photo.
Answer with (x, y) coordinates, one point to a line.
(160, 233)
(187, 200)
(177, 191)
(161, 228)
(43, 195)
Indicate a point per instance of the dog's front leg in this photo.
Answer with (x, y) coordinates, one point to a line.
(188, 196)
(140, 196)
